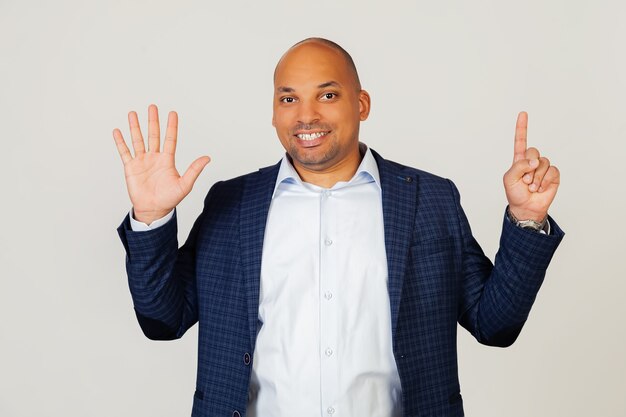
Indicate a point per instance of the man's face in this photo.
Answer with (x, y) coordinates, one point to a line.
(318, 108)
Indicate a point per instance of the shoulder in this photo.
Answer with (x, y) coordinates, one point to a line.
(426, 181)
(428, 201)
(228, 192)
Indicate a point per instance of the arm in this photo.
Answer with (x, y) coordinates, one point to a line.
(161, 277)
(496, 302)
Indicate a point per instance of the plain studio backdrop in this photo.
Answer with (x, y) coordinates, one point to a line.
(447, 80)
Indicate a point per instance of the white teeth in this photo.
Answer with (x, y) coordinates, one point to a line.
(311, 136)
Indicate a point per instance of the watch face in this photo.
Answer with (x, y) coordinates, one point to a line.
(530, 225)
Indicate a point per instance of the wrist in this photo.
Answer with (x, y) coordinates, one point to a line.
(542, 226)
(148, 217)
(521, 214)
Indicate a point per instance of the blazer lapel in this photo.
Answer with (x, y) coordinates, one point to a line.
(399, 195)
(255, 204)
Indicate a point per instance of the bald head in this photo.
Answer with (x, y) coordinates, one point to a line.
(345, 58)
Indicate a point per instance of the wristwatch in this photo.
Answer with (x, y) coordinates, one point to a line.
(527, 224)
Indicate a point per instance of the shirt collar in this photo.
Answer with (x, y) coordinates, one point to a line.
(366, 172)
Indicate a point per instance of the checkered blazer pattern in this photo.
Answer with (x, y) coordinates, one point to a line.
(438, 276)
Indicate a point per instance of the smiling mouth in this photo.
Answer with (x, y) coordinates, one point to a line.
(311, 136)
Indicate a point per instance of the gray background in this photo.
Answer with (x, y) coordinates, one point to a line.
(446, 79)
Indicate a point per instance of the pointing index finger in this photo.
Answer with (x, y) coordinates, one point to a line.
(521, 130)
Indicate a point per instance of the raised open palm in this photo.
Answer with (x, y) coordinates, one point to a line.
(154, 185)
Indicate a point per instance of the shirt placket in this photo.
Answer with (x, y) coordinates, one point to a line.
(328, 307)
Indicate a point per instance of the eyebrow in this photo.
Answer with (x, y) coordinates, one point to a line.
(283, 89)
(329, 84)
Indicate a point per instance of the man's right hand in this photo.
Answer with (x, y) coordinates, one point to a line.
(154, 185)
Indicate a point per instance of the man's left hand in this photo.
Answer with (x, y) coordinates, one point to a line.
(531, 182)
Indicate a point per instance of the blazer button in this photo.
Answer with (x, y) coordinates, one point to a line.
(236, 414)
(246, 358)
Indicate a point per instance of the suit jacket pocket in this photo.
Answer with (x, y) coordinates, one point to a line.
(432, 246)
(433, 274)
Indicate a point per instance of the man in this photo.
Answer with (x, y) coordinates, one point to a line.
(331, 283)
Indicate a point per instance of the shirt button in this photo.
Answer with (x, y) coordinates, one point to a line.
(246, 358)
(236, 414)
(328, 352)
(328, 295)
(330, 410)
(328, 242)
(326, 193)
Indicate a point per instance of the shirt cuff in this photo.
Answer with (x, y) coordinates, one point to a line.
(138, 226)
(546, 229)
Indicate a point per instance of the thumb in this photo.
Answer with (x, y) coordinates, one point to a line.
(518, 169)
(191, 175)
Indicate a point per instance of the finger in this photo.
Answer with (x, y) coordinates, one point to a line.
(135, 133)
(519, 169)
(121, 146)
(551, 179)
(154, 133)
(540, 172)
(171, 133)
(192, 173)
(531, 153)
(521, 129)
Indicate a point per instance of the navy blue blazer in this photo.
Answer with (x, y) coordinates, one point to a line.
(438, 276)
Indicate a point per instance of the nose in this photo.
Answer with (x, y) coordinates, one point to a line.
(308, 112)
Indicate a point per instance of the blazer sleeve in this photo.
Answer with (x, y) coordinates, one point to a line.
(496, 301)
(162, 277)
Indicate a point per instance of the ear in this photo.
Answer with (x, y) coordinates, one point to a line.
(364, 105)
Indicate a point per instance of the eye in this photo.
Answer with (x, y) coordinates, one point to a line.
(287, 100)
(328, 96)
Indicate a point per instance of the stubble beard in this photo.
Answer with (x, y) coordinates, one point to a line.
(313, 160)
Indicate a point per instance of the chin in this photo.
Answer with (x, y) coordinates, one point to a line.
(312, 158)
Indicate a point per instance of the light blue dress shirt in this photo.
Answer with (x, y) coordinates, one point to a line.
(325, 346)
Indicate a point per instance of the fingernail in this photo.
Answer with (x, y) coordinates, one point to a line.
(532, 187)
(540, 189)
(527, 178)
(533, 163)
